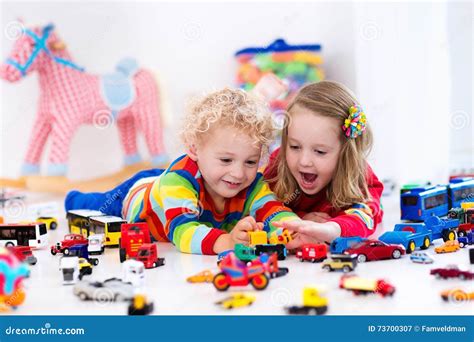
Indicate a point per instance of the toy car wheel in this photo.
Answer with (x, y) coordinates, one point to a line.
(122, 254)
(220, 282)
(53, 252)
(83, 296)
(361, 258)
(66, 251)
(461, 233)
(462, 276)
(396, 254)
(448, 235)
(426, 243)
(438, 276)
(346, 269)
(327, 268)
(411, 247)
(53, 225)
(260, 282)
(9, 244)
(95, 262)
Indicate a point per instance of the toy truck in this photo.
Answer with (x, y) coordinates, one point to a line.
(23, 253)
(96, 244)
(134, 272)
(343, 262)
(465, 215)
(65, 245)
(312, 252)
(236, 273)
(442, 228)
(313, 303)
(364, 286)
(81, 252)
(465, 240)
(69, 266)
(148, 255)
(271, 243)
(135, 242)
(409, 235)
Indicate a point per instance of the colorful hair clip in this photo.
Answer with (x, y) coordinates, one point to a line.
(355, 123)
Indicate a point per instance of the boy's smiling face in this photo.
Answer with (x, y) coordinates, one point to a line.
(228, 161)
(312, 150)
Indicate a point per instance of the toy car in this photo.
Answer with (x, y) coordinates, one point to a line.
(369, 250)
(363, 286)
(109, 290)
(451, 271)
(421, 258)
(69, 266)
(96, 244)
(85, 268)
(457, 295)
(467, 239)
(346, 263)
(313, 303)
(236, 273)
(340, 244)
(201, 277)
(69, 241)
(23, 253)
(312, 252)
(448, 247)
(139, 306)
(409, 235)
(81, 252)
(50, 222)
(134, 272)
(236, 300)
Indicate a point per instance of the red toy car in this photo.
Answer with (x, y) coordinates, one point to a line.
(135, 242)
(451, 271)
(368, 250)
(312, 252)
(236, 273)
(69, 241)
(364, 286)
(24, 253)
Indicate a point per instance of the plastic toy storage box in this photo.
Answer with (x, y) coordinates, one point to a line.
(296, 65)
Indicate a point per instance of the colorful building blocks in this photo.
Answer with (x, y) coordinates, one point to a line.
(421, 258)
(205, 276)
(340, 262)
(65, 245)
(312, 252)
(371, 250)
(409, 235)
(452, 271)
(237, 300)
(140, 306)
(24, 254)
(12, 274)
(340, 244)
(313, 303)
(363, 286)
(236, 273)
(457, 295)
(448, 247)
(50, 222)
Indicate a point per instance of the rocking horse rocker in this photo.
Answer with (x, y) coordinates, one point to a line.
(70, 97)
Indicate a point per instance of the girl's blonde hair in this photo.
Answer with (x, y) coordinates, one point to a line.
(349, 183)
(229, 107)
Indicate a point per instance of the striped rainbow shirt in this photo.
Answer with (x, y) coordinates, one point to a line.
(178, 208)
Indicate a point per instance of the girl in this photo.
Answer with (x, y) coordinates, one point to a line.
(320, 171)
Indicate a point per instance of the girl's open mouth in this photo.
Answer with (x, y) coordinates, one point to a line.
(308, 180)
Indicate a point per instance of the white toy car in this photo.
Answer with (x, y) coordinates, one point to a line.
(134, 272)
(421, 258)
(109, 290)
(96, 244)
(70, 269)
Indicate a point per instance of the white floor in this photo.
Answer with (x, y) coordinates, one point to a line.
(417, 293)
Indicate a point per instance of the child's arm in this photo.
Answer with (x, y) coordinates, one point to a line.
(310, 232)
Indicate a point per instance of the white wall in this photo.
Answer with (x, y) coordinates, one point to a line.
(408, 63)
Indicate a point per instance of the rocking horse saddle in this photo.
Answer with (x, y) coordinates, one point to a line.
(117, 88)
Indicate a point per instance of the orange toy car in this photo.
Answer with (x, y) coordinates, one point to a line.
(457, 295)
(448, 247)
(201, 277)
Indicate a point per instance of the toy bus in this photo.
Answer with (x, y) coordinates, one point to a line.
(32, 234)
(109, 226)
(78, 220)
(460, 190)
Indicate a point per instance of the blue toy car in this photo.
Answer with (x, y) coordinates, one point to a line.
(340, 244)
(421, 258)
(409, 235)
(466, 240)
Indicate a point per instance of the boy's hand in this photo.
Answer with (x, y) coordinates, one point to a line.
(240, 232)
(317, 217)
(309, 232)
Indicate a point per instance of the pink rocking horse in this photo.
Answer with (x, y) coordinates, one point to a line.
(70, 97)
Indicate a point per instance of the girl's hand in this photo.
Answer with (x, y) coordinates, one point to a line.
(240, 233)
(318, 217)
(309, 232)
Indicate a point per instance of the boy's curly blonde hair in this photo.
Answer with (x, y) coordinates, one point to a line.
(229, 107)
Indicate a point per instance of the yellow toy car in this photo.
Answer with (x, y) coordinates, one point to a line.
(448, 247)
(50, 222)
(236, 300)
(85, 267)
(202, 277)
